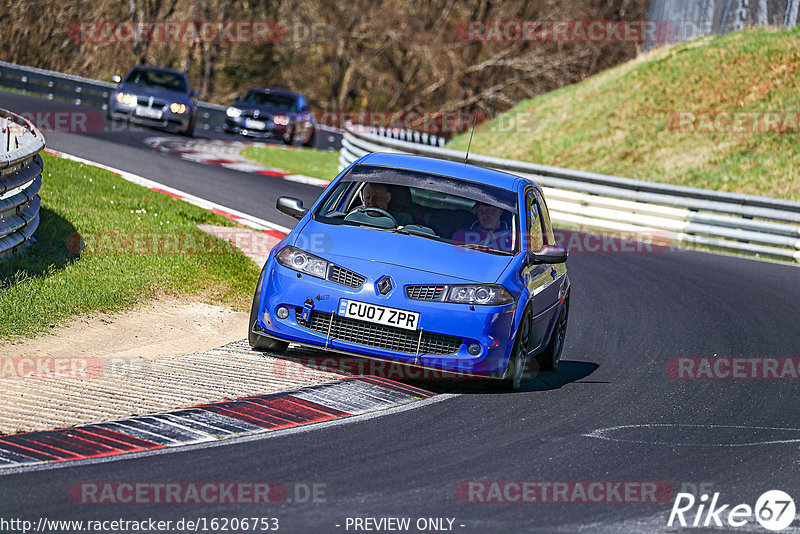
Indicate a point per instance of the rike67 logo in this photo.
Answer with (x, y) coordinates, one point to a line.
(774, 510)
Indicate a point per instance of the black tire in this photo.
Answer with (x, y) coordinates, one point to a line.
(548, 360)
(258, 342)
(517, 362)
(190, 129)
(311, 139)
(288, 137)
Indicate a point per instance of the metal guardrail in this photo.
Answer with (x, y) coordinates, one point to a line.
(746, 224)
(87, 91)
(20, 181)
(93, 92)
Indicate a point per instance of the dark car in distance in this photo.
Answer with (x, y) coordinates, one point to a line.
(272, 114)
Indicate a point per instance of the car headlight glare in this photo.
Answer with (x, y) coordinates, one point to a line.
(301, 261)
(485, 294)
(177, 108)
(125, 98)
(233, 112)
(281, 120)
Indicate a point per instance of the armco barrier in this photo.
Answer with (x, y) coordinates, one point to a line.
(20, 180)
(745, 224)
(86, 91)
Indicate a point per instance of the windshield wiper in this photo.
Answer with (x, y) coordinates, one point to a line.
(484, 248)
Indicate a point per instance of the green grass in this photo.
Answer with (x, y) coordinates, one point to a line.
(623, 121)
(306, 161)
(49, 283)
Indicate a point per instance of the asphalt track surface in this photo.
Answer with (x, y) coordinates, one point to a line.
(630, 314)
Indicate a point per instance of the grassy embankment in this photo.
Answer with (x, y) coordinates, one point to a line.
(51, 283)
(306, 161)
(658, 118)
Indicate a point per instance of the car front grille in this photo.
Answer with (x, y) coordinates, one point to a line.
(144, 101)
(345, 277)
(377, 335)
(424, 292)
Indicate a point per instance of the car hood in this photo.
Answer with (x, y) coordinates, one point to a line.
(334, 242)
(159, 92)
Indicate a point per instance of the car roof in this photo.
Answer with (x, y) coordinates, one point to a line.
(462, 171)
(270, 90)
(156, 68)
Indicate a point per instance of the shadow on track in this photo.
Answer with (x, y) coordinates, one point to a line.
(316, 361)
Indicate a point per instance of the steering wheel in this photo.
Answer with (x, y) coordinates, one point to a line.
(375, 212)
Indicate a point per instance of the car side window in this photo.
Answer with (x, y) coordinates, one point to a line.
(534, 225)
(548, 227)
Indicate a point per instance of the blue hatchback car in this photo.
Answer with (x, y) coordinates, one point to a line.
(422, 261)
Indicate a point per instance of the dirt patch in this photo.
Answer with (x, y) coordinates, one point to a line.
(159, 329)
(164, 355)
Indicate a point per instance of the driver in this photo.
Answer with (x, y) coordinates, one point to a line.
(378, 196)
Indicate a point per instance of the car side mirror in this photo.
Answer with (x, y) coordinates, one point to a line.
(194, 93)
(293, 207)
(237, 98)
(116, 79)
(548, 254)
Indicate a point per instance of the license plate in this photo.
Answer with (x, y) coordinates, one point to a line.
(379, 314)
(256, 125)
(150, 113)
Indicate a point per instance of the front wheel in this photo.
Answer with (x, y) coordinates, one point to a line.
(258, 342)
(519, 356)
(189, 132)
(548, 360)
(288, 137)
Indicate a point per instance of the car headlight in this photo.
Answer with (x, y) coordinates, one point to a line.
(233, 112)
(177, 108)
(299, 260)
(281, 120)
(487, 294)
(125, 98)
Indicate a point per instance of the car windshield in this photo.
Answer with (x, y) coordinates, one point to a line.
(260, 98)
(441, 208)
(156, 78)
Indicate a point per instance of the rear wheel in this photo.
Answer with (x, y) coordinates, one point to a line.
(519, 356)
(548, 360)
(259, 342)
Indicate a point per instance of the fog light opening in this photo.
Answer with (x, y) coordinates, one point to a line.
(474, 349)
(282, 312)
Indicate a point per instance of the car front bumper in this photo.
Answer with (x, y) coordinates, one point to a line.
(168, 120)
(441, 342)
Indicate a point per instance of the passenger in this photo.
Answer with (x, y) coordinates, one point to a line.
(489, 230)
(378, 196)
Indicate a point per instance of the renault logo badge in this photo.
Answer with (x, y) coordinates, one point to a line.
(384, 285)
